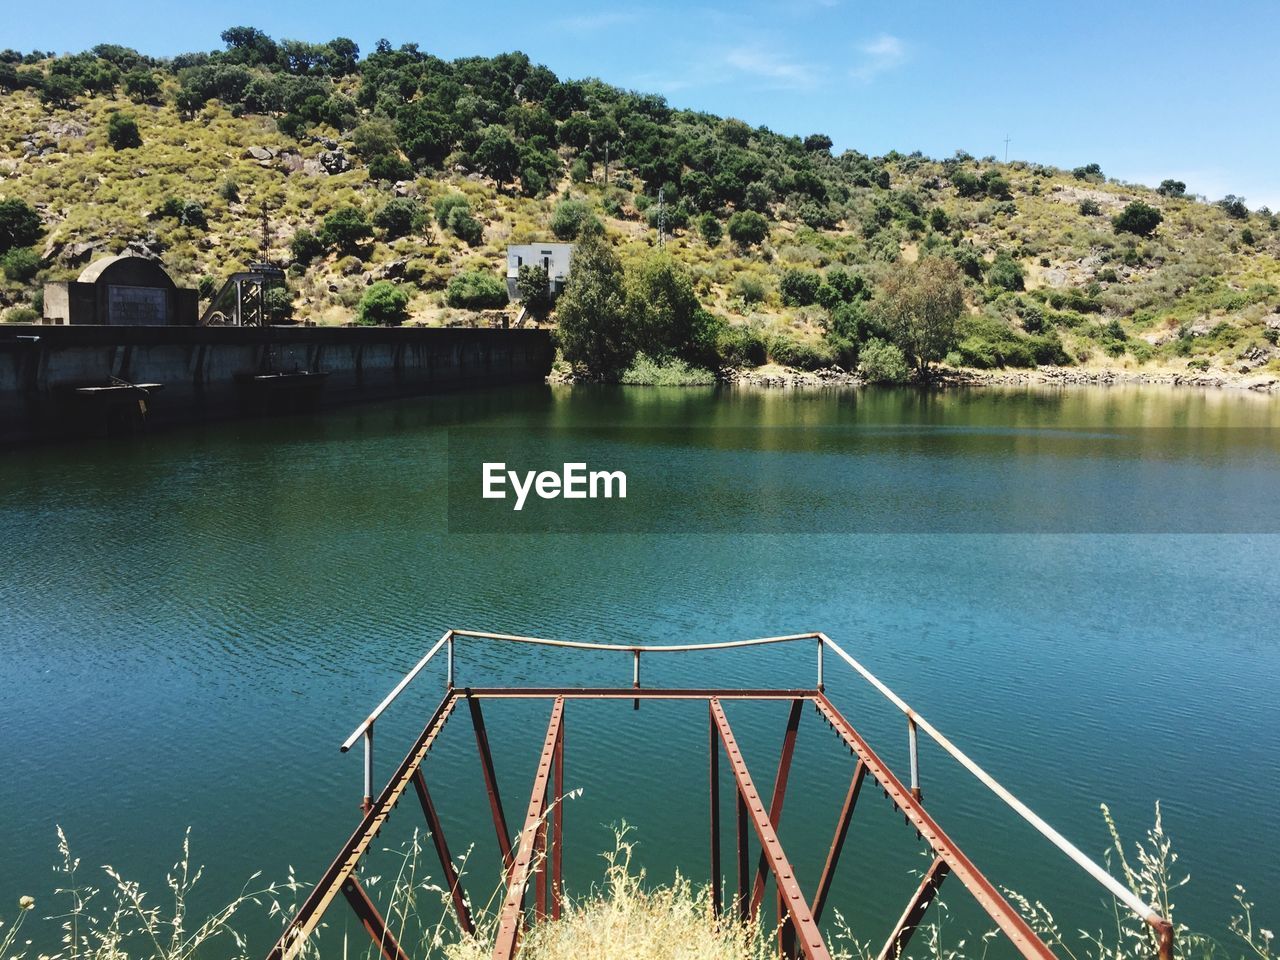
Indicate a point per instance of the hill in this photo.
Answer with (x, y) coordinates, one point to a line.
(405, 167)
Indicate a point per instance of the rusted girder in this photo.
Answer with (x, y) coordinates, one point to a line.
(512, 917)
(372, 920)
(997, 907)
(448, 873)
(631, 693)
(837, 842)
(896, 945)
(490, 779)
(779, 795)
(714, 769)
(557, 821)
(801, 918)
(295, 935)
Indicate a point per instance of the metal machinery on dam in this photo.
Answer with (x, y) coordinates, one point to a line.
(533, 861)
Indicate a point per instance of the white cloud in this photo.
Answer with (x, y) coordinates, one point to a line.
(879, 54)
(598, 21)
(769, 66)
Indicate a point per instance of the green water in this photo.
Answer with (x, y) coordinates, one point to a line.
(1085, 599)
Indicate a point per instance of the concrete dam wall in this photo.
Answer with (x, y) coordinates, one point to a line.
(65, 380)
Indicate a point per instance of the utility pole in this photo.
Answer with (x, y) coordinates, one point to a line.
(606, 163)
(266, 235)
(662, 217)
(1006, 148)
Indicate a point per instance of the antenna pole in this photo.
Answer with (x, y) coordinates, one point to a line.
(1006, 148)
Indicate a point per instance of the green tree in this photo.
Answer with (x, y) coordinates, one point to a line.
(20, 264)
(279, 305)
(799, 288)
(1234, 207)
(476, 290)
(882, 362)
(534, 287)
(122, 131)
(570, 217)
(1137, 217)
(748, 228)
(345, 228)
(305, 246)
(384, 304)
(142, 86)
(663, 311)
(709, 227)
(1005, 272)
(59, 90)
(400, 217)
(593, 331)
(919, 304)
(20, 226)
(1172, 188)
(497, 155)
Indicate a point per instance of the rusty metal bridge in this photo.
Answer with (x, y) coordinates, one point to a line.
(533, 860)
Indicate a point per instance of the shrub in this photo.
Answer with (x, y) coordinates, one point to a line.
(1234, 207)
(882, 362)
(279, 305)
(939, 220)
(22, 314)
(1139, 218)
(476, 290)
(1172, 188)
(122, 131)
(801, 354)
(305, 246)
(1090, 171)
(345, 228)
(384, 304)
(446, 204)
(400, 217)
(710, 229)
(750, 288)
(570, 217)
(748, 228)
(672, 372)
(188, 213)
(799, 288)
(453, 213)
(1089, 207)
(20, 226)
(665, 316)
(229, 191)
(141, 85)
(1005, 273)
(20, 264)
(741, 346)
(206, 287)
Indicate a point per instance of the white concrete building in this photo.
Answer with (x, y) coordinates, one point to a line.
(554, 257)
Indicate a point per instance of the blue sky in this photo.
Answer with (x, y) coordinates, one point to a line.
(1148, 90)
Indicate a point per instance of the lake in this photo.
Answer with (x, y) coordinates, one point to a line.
(1079, 587)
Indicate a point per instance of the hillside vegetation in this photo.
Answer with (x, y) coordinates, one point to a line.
(394, 182)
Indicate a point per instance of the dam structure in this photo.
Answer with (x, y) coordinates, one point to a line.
(759, 875)
(71, 380)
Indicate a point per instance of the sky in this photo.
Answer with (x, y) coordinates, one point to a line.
(1148, 90)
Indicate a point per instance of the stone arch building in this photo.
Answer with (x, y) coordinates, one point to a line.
(126, 290)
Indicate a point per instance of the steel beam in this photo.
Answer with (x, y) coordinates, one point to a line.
(631, 693)
(512, 916)
(896, 945)
(837, 842)
(557, 820)
(779, 795)
(997, 907)
(295, 935)
(490, 779)
(714, 769)
(449, 874)
(372, 920)
(810, 940)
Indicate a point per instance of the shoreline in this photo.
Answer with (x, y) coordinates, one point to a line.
(775, 377)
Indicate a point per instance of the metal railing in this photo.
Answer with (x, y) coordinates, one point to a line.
(915, 722)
